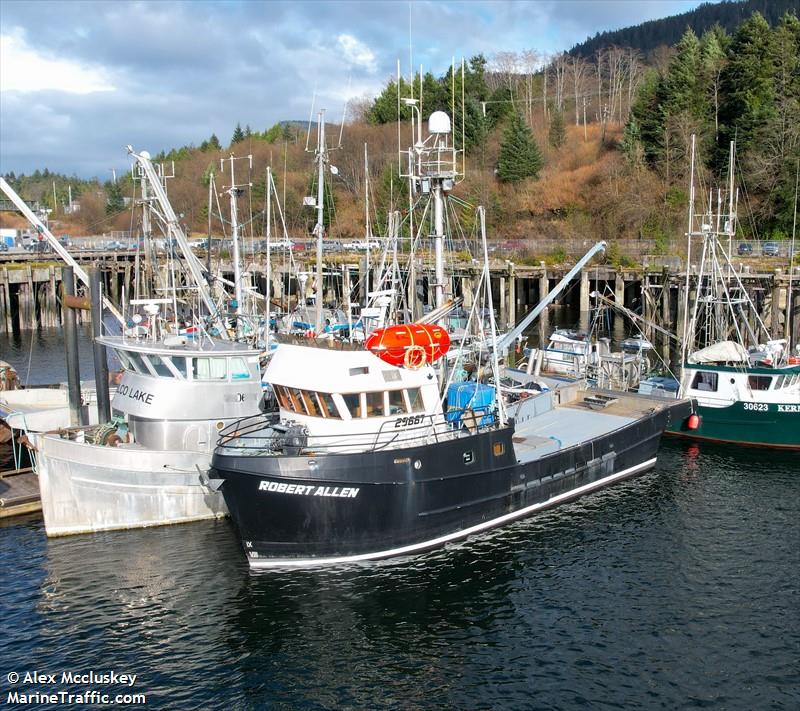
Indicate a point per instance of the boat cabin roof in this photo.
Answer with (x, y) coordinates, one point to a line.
(335, 371)
(180, 346)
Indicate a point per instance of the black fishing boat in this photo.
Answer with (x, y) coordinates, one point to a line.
(364, 462)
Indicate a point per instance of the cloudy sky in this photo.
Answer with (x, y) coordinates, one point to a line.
(80, 80)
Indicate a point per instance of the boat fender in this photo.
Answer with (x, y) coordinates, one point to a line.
(693, 421)
(415, 357)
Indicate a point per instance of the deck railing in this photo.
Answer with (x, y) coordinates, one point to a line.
(257, 434)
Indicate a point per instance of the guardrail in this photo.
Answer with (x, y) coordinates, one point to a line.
(257, 434)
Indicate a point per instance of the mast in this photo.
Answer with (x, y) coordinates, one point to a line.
(789, 309)
(433, 170)
(174, 231)
(366, 216)
(321, 158)
(234, 191)
(686, 325)
(488, 285)
(269, 256)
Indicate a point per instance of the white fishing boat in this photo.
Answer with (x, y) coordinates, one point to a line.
(145, 467)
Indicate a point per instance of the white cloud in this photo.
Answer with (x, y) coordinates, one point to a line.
(357, 53)
(24, 69)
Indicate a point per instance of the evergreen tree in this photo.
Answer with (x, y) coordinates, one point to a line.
(248, 131)
(238, 134)
(558, 133)
(499, 105)
(519, 155)
(679, 90)
(213, 143)
(748, 87)
(384, 108)
(273, 133)
(114, 200)
(435, 96)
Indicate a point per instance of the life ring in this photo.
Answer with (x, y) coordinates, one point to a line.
(794, 360)
(415, 357)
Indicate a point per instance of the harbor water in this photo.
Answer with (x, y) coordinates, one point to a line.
(676, 590)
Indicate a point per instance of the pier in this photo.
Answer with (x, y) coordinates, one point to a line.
(30, 287)
(19, 492)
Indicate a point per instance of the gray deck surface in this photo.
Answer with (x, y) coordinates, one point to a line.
(561, 428)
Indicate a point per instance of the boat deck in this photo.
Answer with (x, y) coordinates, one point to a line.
(19, 492)
(564, 427)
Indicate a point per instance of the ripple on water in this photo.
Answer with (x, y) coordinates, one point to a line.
(675, 590)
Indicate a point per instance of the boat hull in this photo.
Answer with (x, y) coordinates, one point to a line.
(303, 511)
(87, 488)
(747, 423)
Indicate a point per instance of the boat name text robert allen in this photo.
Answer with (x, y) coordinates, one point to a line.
(140, 395)
(308, 490)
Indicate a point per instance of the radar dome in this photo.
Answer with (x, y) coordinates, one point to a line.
(439, 122)
(145, 154)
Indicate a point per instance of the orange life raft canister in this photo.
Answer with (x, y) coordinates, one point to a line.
(392, 344)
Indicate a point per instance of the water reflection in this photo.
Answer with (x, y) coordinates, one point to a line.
(647, 593)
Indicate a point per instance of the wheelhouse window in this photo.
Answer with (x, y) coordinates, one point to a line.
(138, 363)
(179, 363)
(125, 360)
(239, 369)
(327, 406)
(397, 404)
(283, 397)
(209, 368)
(310, 403)
(306, 402)
(705, 381)
(759, 382)
(415, 403)
(352, 402)
(159, 366)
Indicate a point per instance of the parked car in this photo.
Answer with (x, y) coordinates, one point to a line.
(38, 246)
(116, 245)
(280, 244)
(363, 245)
(770, 249)
(745, 249)
(3, 246)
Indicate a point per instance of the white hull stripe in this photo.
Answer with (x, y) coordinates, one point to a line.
(463, 533)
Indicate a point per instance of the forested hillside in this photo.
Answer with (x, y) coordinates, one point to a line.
(561, 150)
(668, 30)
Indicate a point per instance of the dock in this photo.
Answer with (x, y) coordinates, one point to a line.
(19, 492)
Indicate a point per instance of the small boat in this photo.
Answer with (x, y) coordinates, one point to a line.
(636, 344)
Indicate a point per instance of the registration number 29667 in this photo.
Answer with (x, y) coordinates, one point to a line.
(409, 421)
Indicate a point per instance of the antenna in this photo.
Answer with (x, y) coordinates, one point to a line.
(310, 117)
(344, 112)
